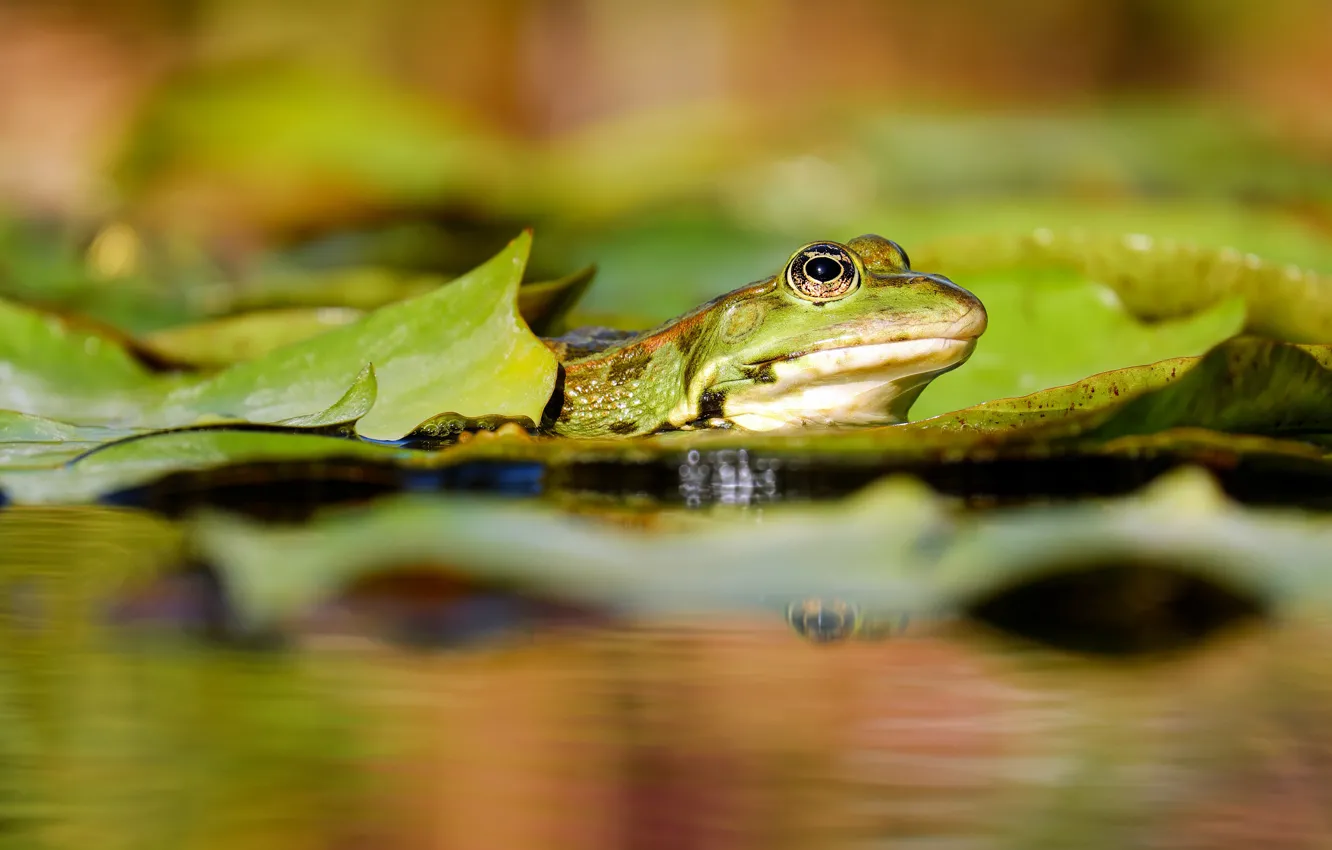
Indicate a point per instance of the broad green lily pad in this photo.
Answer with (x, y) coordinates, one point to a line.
(32, 441)
(1048, 332)
(1245, 385)
(220, 342)
(461, 348)
(217, 343)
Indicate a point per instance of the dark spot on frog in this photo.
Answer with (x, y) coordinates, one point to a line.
(710, 405)
(623, 428)
(688, 336)
(629, 367)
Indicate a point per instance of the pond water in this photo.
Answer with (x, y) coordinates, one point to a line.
(423, 709)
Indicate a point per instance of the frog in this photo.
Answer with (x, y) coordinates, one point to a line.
(843, 335)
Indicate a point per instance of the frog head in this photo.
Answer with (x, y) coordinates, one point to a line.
(843, 334)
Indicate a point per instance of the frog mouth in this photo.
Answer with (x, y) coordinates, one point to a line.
(856, 385)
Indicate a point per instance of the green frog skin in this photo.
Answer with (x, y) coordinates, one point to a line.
(844, 335)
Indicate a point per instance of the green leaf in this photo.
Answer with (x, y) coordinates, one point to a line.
(139, 460)
(53, 370)
(544, 304)
(218, 343)
(461, 348)
(1046, 332)
(32, 441)
(1245, 385)
(354, 404)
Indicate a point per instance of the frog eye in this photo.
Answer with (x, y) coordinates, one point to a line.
(823, 271)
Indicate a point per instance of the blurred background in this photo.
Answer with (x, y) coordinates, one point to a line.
(167, 161)
(171, 148)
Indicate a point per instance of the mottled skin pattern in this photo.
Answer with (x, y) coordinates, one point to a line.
(681, 374)
(632, 388)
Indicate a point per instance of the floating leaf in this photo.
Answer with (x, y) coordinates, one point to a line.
(1048, 332)
(354, 404)
(140, 460)
(1161, 278)
(1245, 385)
(53, 370)
(34, 441)
(460, 348)
(221, 342)
(218, 343)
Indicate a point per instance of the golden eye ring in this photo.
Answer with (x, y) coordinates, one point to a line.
(822, 272)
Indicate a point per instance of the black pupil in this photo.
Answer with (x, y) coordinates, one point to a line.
(823, 269)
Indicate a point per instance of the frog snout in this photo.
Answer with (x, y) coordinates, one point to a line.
(971, 323)
(971, 318)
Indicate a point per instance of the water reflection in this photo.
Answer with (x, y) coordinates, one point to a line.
(533, 725)
(729, 477)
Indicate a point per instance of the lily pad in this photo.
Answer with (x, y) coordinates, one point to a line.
(55, 370)
(217, 343)
(32, 441)
(460, 348)
(1245, 385)
(1163, 278)
(1050, 331)
(109, 467)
